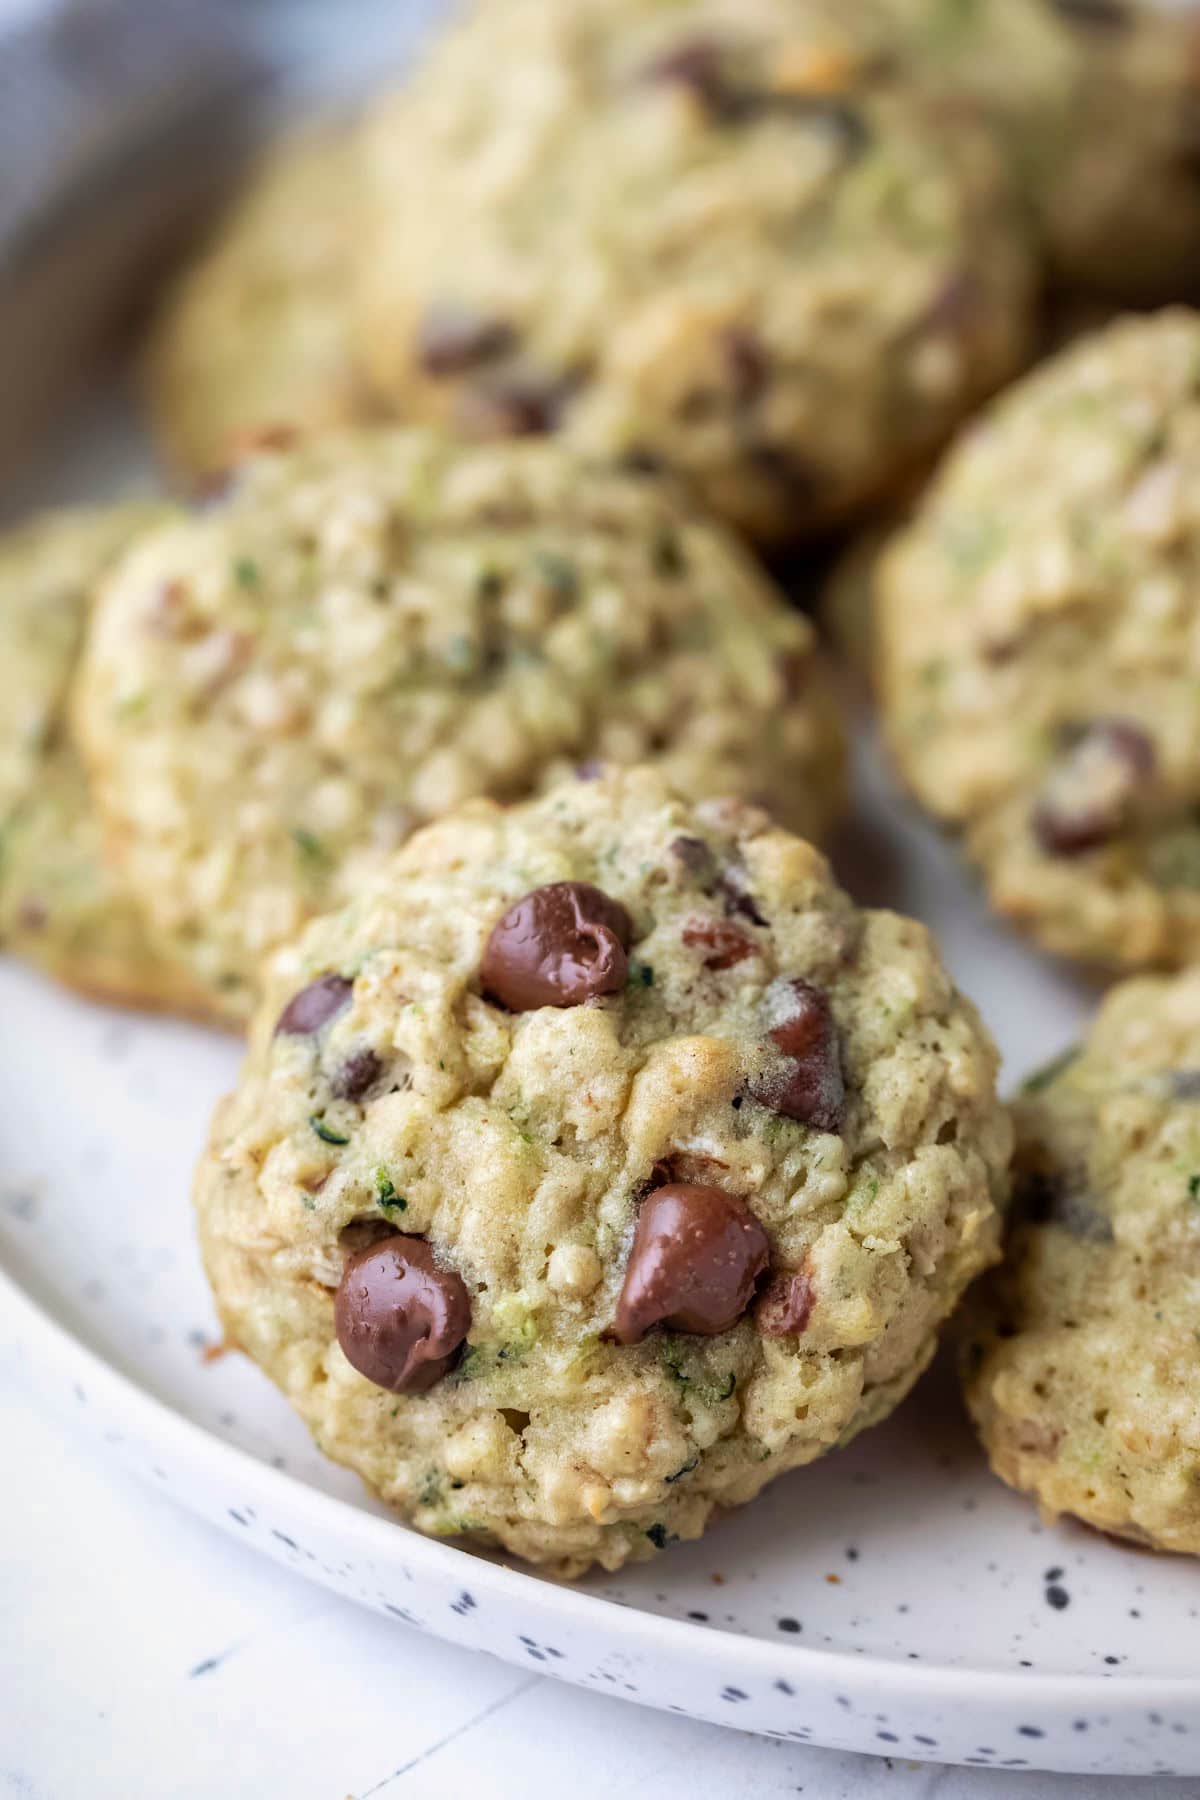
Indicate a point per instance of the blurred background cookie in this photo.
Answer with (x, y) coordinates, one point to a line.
(61, 906)
(1038, 651)
(375, 627)
(1082, 1366)
(717, 236)
(1096, 104)
(254, 337)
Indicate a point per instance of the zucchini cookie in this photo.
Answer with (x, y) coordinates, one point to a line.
(1082, 1368)
(708, 234)
(254, 337)
(1096, 102)
(60, 905)
(1039, 646)
(371, 628)
(597, 1164)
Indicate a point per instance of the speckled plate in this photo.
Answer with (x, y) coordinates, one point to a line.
(893, 1599)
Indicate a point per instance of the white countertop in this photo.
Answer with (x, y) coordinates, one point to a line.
(145, 1656)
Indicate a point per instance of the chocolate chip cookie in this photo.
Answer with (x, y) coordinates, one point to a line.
(1081, 1365)
(599, 1162)
(61, 906)
(1039, 646)
(1096, 103)
(710, 235)
(369, 630)
(254, 338)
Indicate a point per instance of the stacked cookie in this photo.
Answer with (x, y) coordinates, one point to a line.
(596, 1158)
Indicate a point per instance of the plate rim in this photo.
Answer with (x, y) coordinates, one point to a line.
(445, 1563)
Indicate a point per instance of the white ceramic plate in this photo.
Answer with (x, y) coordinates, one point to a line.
(893, 1599)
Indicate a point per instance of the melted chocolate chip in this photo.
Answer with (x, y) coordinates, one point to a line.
(360, 1071)
(314, 1006)
(697, 1254)
(558, 946)
(786, 1305)
(806, 1083)
(1184, 1084)
(399, 1317)
(1089, 796)
(453, 338)
(1053, 1199)
(721, 944)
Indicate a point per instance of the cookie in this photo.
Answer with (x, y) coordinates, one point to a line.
(1096, 103)
(707, 235)
(254, 337)
(61, 906)
(597, 1164)
(369, 630)
(1039, 646)
(1081, 1362)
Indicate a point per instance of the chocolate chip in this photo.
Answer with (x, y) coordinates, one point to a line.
(722, 944)
(697, 64)
(639, 461)
(360, 1071)
(1184, 1084)
(785, 468)
(558, 946)
(702, 66)
(747, 363)
(399, 1317)
(697, 1254)
(516, 406)
(696, 857)
(314, 1006)
(1046, 1198)
(453, 338)
(786, 1305)
(738, 898)
(806, 1083)
(1090, 794)
(1108, 14)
